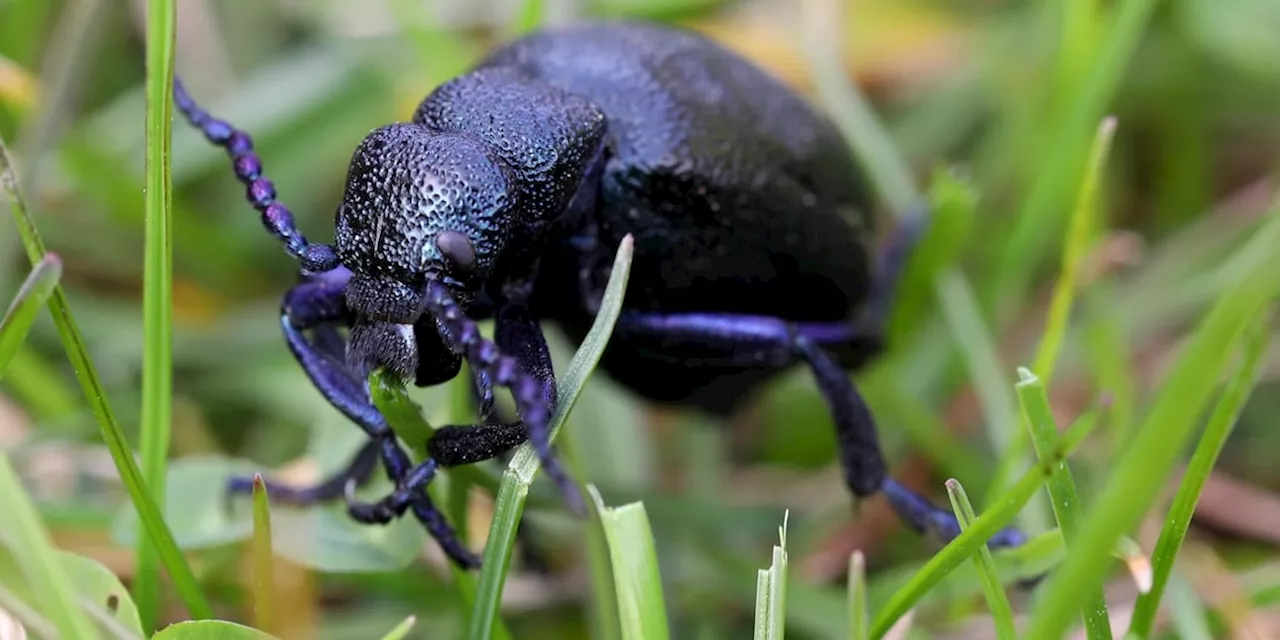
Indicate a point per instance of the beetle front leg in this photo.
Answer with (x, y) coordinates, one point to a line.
(528, 375)
(319, 303)
(516, 332)
(745, 341)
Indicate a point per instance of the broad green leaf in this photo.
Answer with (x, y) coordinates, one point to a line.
(210, 630)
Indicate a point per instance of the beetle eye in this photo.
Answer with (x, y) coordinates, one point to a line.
(457, 249)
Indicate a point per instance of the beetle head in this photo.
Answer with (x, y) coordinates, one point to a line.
(419, 205)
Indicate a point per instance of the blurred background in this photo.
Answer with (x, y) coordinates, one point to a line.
(980, 93)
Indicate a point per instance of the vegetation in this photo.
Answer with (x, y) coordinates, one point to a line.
(1079, 347)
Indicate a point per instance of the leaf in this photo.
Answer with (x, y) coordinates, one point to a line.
(52, 588)
(514, 490)
(210, 630)
(31, 296)
(636, 578)
(401, 630)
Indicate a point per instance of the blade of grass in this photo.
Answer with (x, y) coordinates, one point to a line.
(401, 630)
(637, 580)
(34, 552)
(1137, 478)
(32, 295)
(764, 591)
(1035, 222)
(157, 295)
(1038, 416)
(263, 561)
(1215, 435)
(990, 522)
(771, 591)
(176, 564)
(857, 596)
(603, 608)
(997, 599)
(514, 489)
(1082, 222)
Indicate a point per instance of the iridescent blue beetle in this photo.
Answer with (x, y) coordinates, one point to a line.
(506, 196)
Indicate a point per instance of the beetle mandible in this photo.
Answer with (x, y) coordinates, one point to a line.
(505, 197)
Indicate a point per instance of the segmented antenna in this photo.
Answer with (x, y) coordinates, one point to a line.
(504, 371)
(259, 191)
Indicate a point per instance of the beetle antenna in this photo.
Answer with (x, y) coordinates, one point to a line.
(503, 370)
(260, 192)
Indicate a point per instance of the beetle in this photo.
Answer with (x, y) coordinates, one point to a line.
(505, 196)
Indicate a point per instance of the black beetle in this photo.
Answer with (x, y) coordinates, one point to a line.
(506, 196)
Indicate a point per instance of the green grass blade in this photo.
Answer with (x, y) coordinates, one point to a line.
(401, 630)
(997, 599)
(38, 559)
(514, 489)
(764, 591)
(771, 592)
(858, 621)
(31, 296)
(1215, 435)
(176, 564)
(603, 608)
(1055, 175)
(637, 580)
(778, 600)
(987, 525)
(157, 295)
(1137, 478)
(1083, 220)
(264, 582)
(1062, 487)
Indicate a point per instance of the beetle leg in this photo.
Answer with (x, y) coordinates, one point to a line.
(736, 340)
(356, 473)
(522, 364)
(518, 333)
(316, 303)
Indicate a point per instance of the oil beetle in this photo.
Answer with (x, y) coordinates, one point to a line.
(505, 198)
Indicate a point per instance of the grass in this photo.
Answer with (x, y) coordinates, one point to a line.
(997, 599)
(1022, 307)
(524, 463)
(157, 296)
(1198, 469)
(1038, 416)
(641, 612)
